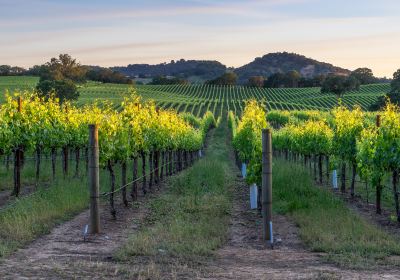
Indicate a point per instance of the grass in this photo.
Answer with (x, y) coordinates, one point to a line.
(327, 225)
(191, 219)
(33, 216)
(29, 217)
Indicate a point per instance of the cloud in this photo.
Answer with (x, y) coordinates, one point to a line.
(207, 8)
(126, 46)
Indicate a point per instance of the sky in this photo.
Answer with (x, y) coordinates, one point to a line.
(346, 33)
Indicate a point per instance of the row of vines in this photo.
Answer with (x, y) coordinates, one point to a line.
(137, 130)
(346, 139)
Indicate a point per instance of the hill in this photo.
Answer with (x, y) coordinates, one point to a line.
(283, 62)
(201, 69)
(197, 71)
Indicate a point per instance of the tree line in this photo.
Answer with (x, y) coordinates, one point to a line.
(60, 76)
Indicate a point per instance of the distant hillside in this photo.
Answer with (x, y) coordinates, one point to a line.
(198, 71)
(202, 69)
(284, 62)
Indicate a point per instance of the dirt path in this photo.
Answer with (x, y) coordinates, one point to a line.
(63, 254)
(245, 256)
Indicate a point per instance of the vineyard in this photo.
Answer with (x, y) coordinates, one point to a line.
(197, 99)
(166, 172)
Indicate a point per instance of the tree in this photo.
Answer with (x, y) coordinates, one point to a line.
(227, 79)
(256, 81)
(38, 70)
(106, 75)
(161, 80)
(5, 70)
(339, 85)
(316, 81)
(64, 67)
(393, 96)
(292, 79)
(276, 80)
(62, 89)
(395, 84)
(58, 76)
(364, 76)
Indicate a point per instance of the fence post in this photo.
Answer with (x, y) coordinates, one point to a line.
(94, 179)
(267, 184)
(18, 160)
(378, 186)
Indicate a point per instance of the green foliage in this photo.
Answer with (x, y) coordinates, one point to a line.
(232, 123)
(364, 76)
(348, 125)
(7, 70)
(106, 75)
(248, 134)
(278, 118)
(227, 79)
(161, 80)
(63, 68)
(293, 79)
(62, 89)
(379, 148)
(308, 138)
(59, 76)
(139, 126)
(393, 96)
(256, 81)
(339, 85)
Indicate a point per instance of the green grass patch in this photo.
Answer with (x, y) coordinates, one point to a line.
(192, 217)
(326, 224)
(35, 215)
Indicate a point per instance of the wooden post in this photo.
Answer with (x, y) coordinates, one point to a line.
(19, 104)
(378, 186)
(94, 181)
(123, 182)
(17, 160)
(378, 120)
(143, 156)
(134, 191)
(266, 183)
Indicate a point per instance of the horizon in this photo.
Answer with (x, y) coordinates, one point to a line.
(365, 34)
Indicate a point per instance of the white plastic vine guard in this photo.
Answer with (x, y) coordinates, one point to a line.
(253, 196)
(244, 170)
(334, 179)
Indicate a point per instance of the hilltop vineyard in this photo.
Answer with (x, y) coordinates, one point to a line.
(198, 99)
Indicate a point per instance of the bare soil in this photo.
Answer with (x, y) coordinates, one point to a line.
(246, 256)
(65, 254)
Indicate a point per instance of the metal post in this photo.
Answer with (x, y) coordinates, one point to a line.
(94, 179)
(266, 183)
